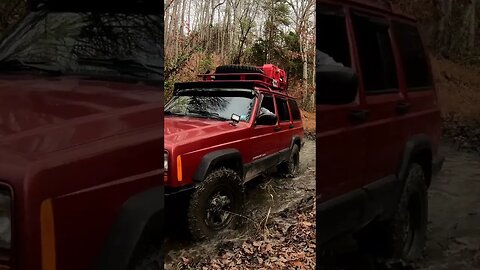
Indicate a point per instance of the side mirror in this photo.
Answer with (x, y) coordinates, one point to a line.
(336, 85)
(266, 119)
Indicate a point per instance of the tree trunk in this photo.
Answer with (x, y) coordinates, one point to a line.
(473, 25)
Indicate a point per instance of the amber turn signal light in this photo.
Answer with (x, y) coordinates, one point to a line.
(179, 169)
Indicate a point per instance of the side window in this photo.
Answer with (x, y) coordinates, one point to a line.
(376, 55)
(267, 105)
(295, 110)
(332, 39)
(414, 58)
(282, 106)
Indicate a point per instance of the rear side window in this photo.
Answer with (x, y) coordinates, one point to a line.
(294, 109)
(375, 53)
(412, 53)
(282, 106)
(267, 105)
(332, 39)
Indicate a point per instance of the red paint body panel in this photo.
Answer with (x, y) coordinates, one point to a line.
(89, 146)
(193, 138)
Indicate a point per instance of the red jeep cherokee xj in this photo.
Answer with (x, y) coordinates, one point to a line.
(81, 138)
(223, 131)
(378, 128)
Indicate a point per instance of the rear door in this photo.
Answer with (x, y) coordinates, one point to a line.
(423, 115)
(285, 126)
(297, 126)
(385, 102)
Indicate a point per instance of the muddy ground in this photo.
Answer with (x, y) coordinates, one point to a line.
(279, 230)
(454, 222)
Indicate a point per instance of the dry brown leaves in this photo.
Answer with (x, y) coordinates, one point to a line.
(285, 247)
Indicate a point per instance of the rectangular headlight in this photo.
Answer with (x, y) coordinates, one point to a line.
(5, 219)
(165, 161)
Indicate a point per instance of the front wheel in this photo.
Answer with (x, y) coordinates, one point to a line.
(216, 205)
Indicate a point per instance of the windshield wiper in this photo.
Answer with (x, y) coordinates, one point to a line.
(18, 65)
(172, 113)
(125, 66)
(207, 114)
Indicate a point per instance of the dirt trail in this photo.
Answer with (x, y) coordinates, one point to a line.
(273, 203)
(454, 229)
(454, 221)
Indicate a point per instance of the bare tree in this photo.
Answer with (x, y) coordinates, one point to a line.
(302, 14)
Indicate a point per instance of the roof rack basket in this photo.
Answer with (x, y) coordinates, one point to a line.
(272, 77)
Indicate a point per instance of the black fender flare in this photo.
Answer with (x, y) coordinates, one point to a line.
(140, 210)
(296, 139)
(414, 146)
(212, 159)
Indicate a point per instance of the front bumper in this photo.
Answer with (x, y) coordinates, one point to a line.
(177, 201)
(178, 192)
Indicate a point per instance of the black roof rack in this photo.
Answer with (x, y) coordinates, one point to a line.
(226, 84)
(255, 78)
(215, 84)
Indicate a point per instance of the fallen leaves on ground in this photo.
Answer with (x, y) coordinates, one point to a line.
(281, 246)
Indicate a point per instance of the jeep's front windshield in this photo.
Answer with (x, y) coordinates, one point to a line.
(97, 45)
(218, 104)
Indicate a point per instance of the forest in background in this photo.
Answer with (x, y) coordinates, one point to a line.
(450, 28)
(451, 31)
(200, 35)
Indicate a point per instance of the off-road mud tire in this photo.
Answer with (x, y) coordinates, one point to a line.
(402, 237)
(223, 179)
(292, 166)
(238, 69)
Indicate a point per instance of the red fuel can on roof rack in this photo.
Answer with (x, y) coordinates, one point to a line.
(278, 75)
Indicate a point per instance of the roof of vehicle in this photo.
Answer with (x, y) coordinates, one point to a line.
(375, 5)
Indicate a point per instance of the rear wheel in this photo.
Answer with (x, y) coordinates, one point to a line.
(216, 204)
(403, 236)
(292, 166)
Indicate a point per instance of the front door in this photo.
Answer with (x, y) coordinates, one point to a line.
(340, 137)
(264, 145)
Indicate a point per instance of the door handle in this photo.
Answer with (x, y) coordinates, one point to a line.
(291, 126)
(359, 115)
(403, 107)
(277, 129)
